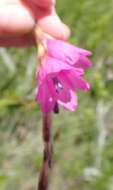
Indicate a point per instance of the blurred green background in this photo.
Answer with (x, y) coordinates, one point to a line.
(83, 140)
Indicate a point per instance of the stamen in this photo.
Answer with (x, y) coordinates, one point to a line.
(56, 108)
(58, 85)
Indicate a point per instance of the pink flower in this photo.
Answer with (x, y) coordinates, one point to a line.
(61, 75)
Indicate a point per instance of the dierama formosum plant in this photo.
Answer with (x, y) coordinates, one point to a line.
(59, 75)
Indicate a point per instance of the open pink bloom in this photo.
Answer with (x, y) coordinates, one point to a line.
(61, 75)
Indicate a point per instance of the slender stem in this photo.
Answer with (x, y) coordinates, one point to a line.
(47, 155)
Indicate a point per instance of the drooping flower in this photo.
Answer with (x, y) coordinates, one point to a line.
(60, 75)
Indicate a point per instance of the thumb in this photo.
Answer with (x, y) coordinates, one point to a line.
(52, 25)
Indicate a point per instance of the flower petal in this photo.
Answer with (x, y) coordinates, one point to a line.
(72, 104)
(51, 66)
(83, 63)
(72, 80)
(62, 51)
(63, 94)
(45, 97)
(66, 52)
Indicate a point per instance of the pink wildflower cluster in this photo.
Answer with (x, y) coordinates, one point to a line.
(60, 76)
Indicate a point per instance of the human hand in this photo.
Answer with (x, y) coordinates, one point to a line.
(19, 17)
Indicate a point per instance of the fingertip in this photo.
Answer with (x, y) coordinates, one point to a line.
(65, 32)
(53, 26)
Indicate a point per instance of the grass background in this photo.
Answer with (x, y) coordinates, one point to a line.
(84, 143)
